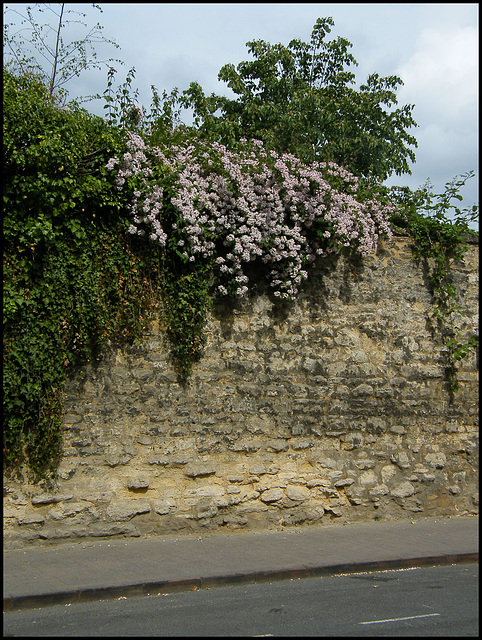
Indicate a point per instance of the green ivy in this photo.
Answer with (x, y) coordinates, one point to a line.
(186, 302)
(74, 280)
(439, 240)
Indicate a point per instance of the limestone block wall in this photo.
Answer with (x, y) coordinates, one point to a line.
(334, 407)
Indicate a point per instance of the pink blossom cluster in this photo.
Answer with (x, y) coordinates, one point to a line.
(236, 207)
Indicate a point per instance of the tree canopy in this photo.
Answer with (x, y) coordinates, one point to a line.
(300, 99)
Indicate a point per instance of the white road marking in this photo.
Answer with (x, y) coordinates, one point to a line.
(427, 615)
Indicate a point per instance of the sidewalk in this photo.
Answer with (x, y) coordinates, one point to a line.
(95, 570)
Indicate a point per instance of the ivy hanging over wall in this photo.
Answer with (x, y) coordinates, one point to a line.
(74, 280)
(439, 240)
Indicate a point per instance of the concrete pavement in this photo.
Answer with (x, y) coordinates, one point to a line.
(106, 569)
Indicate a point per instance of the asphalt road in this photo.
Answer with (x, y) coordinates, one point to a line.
(432, 601)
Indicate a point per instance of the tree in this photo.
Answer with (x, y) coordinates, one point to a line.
(41, 50)
(298, 99)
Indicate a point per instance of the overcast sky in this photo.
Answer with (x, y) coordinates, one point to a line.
(432, 47)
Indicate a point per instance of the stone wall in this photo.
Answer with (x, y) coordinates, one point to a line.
(331, 407)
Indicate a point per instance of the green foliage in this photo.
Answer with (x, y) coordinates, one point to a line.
(440, 239)
(186, 302)
(162, 122)
(298, 99)
(73, 281)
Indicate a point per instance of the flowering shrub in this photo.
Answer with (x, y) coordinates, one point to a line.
(207, 203)
(214, 211)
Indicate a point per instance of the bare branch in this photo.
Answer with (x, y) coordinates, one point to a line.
(39, 47)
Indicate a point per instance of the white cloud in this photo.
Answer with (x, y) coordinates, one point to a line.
(441, 79)
(441, 76)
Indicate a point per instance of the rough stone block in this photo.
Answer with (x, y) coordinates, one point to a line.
(121, 511)
(31, 519)
(271, 495)
(196, 469)
(163, 507)
(277, 445)
(436, 460)
(344, 482)
(403, 490)
(297, 493)
(161, 460)
(368, 479)
(115, 460)
(49, 498)
(137, 482)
